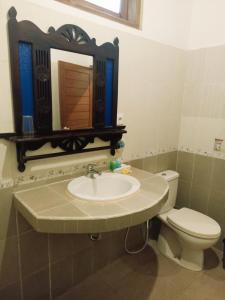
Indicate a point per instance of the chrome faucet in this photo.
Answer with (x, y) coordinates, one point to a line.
(91, 171)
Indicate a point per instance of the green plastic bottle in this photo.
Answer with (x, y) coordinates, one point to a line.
(114, 164)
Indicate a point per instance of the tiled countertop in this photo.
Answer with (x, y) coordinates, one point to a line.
(51, 209)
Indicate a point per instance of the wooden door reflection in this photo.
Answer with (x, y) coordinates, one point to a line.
(75, 90)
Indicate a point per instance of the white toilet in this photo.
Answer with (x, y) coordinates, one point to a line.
(184, 233)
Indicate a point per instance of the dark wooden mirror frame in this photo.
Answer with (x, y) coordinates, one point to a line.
(68, 38)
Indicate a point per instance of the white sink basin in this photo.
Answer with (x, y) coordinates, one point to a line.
(104, 187)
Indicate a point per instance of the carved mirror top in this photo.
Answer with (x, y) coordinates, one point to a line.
(69, 32)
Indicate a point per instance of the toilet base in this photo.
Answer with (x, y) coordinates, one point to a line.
(192, 259)
(170, 246)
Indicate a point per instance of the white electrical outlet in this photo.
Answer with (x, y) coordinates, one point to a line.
(218, 145)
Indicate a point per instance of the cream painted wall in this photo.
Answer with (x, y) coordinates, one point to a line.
(203, 111)
(207, 24)
(150, 85)
(168, 21)
(164, 21)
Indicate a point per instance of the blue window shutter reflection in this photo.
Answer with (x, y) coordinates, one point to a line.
(109, 93)
(26, 78)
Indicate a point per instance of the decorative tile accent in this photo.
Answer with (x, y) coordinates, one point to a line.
(215, 154)
(6, 183)
(146, 154)
(29, 178)
(50, 174)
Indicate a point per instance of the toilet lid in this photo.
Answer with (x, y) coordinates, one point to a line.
(194, 223)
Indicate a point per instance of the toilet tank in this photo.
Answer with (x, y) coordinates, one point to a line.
(172, 178)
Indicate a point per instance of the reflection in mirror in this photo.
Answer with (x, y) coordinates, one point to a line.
(72, 90)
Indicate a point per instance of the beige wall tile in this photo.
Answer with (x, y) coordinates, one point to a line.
(140, 174)
(83, 264)
(101, 254)
(185, 164)
(216, 207)
(166, 161)
(138, 163)
(11, 292)
(157, 163)
(23, 225)
(61, 276)
(81, 242)
(218, 181)
(117, 244)
(36, 286)
(61, 246)
(150, 164)
(94, 255)
(202, 170)
(199, 198)
(7, 214)
(162, 162)
(183, 194)
(34, 252)
(172, 160)
(9, 264)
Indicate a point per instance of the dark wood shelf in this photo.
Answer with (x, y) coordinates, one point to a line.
(55, 135)
(70, 142)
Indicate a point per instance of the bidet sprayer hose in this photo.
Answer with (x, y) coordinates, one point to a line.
(145, 243)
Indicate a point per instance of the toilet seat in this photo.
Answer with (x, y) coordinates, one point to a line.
(194, 223)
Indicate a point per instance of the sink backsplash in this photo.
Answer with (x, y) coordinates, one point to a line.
(73, 169)
(76, 170)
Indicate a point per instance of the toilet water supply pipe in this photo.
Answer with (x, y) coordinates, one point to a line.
(145, 242)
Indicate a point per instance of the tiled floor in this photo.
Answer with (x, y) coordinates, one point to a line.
(150, 276)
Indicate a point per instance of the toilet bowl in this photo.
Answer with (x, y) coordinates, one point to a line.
(185, 233)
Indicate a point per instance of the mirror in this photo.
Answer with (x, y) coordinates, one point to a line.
(72, 90)
(58, 92)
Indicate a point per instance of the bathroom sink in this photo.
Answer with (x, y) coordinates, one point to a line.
(104, 187)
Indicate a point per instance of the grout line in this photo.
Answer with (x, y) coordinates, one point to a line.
(192, 177)
(49, 269)
(177, 160)
(210, 185)
(8, 237)
(73, 278)
(19, 257)
(37, 271)
(27, 231)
